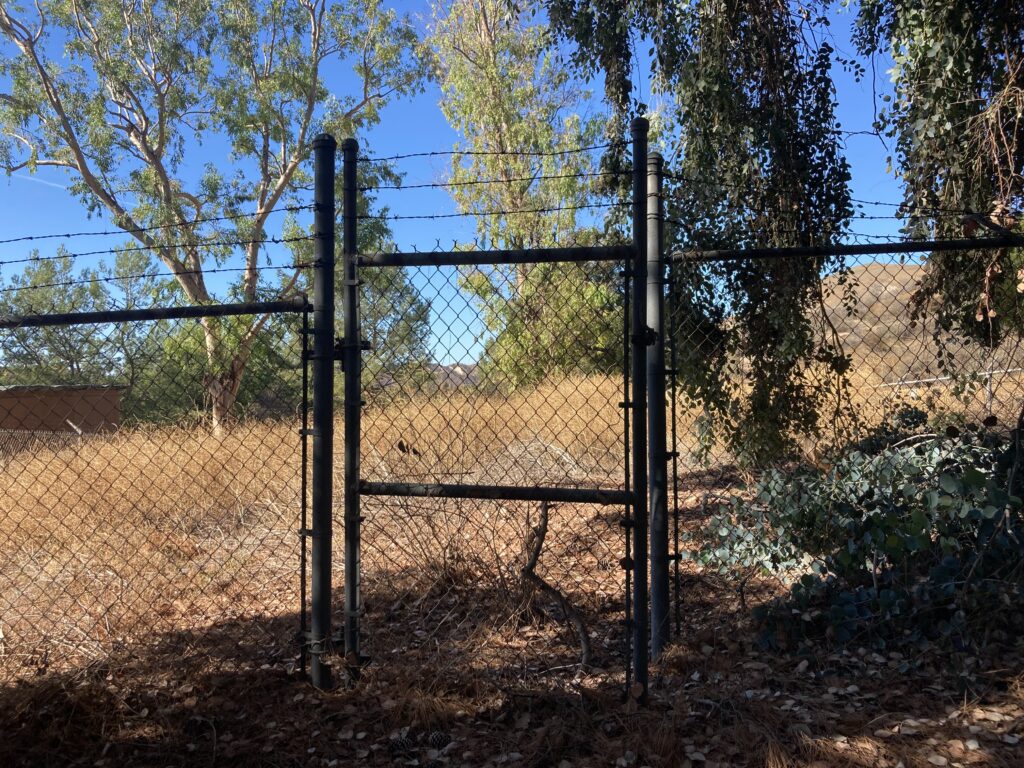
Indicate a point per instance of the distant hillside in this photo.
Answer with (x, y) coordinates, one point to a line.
(886, 346)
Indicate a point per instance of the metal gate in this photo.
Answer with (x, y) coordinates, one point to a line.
(504, 470)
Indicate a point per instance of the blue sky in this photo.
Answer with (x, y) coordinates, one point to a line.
(40, 203)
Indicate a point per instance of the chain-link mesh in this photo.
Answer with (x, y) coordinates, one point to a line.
(884, 363)
(129, 517)
(497, 375)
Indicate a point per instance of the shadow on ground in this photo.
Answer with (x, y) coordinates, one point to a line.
(452, 682)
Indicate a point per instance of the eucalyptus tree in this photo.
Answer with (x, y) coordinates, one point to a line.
(746, 109)
(125, 95)
(522, 120)
(957, 119)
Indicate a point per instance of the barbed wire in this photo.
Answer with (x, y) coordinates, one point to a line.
(150, 275)
(521, 211)
(726, 206)
(115, 251)
(866, 238)
(154, 228)
(908, 208)
(474, 182)
(492, 153)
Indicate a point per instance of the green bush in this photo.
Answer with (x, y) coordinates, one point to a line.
(913, 540)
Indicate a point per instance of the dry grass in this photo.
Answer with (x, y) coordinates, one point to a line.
(111, 539)
(148, 599)
(141, 531)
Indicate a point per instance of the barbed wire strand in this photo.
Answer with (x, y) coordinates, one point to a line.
(909, 209)
(475, 182)
(154, 228)
(521, 211)
(150, 275)
(133, 248)
(492, 153)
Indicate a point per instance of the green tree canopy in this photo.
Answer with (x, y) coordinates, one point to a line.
(747, 118)
(522, 119)
(124, 101)
(957, 119)
(98, 354)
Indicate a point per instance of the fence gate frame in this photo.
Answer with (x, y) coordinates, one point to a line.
(653, 592)
(641, 282)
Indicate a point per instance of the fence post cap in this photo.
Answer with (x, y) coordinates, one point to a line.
(324, 140)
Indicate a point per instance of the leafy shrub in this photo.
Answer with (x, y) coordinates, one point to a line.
(915, 540)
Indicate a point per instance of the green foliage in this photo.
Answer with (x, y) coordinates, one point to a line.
(749, 122)
(113, 353)
(917, 537)
(955, 116)
(172, 385)
(513, 101)
(565, 319)
(761, 166)
(125, 103)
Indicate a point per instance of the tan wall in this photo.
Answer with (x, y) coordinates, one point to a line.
(50, 410)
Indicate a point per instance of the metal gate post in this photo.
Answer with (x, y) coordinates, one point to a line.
(657, 450)
(639, 338)
(324, 148)
(352, 367)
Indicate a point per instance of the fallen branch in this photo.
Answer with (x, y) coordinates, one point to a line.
(531, 581)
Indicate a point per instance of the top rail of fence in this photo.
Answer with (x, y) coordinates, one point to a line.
(471, 258)
(860, 249)
(297, 304)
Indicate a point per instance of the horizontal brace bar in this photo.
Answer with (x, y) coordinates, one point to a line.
(472, 258)
(298, 304)
(921, 246)
(506, 492)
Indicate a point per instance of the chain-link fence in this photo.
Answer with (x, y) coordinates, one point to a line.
(873, 357)
(151, 483)
(516, 385)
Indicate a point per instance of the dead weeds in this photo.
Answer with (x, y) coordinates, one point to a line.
(148, 599)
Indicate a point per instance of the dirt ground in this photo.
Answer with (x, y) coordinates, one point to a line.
(450, 683)
(203, 668)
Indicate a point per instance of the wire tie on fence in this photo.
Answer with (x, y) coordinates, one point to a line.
(306, 532)
(671, 455)
(626, 404)
(676, 557)
(309, 432)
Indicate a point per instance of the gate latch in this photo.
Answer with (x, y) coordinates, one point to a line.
(339, 349)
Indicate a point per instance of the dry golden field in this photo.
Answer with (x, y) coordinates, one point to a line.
(114, 539)
(149, 597)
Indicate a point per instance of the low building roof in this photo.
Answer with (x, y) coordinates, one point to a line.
(16, 388)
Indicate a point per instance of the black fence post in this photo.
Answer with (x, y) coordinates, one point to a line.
(352, 366)
(639, 339)
(324, 149)
(657, 440)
